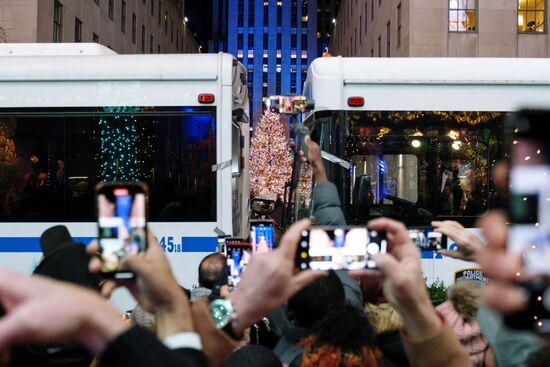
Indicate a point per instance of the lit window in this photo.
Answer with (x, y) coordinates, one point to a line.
(531, 15)
(462, 15)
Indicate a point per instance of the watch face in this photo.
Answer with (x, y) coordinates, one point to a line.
(220, 313)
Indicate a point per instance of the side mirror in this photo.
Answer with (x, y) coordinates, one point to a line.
(363, 197)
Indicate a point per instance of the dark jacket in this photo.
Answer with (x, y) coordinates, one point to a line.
(392, 349)
(327, 208)
(137, 347)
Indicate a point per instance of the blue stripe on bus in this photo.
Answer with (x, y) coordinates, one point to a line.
(32, 244)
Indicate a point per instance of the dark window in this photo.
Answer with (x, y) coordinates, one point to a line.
(266, 41)
(59, 157)
(388, 39)
(166, 22)
(266, 13)
(304, 41)
(463, 15)
(366, 18)
(240, 13)
(279, 15)
(111, 9)
(360, 29)
(152, 8)
(240, 41)
(279, 41)
(77, 30)
(251, 13)
(57, 21)
(399, 25)
(371, 9)
(151, 42)
(123, 16)
(142, 39)
(172, 31)
(379, 46)
(531, 15)
(95, 38)
(160, 11)
(250, 41)
(293, 38)
(134, 25)
(158, 48)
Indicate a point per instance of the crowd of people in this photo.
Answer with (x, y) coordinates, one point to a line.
(278, 315)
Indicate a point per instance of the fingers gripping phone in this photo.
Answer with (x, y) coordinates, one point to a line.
(122, 224)
(342, 248)
(301, 130)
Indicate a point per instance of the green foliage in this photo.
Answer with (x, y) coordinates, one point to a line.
(437, 292)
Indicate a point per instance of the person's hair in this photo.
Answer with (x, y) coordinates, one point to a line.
(465, 298)
(372, 290)
(211, 269)
(253, 356)
(343, 338)
(383, 317)
(313, 302)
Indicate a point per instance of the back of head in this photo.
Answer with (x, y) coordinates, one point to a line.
(383, 317)
(372, 290)
(465, 298)
(211, 269)
(313, 302)
(253, 356)
(344, 338)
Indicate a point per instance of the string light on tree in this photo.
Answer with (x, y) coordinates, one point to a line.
(270, 157)
(119, 156)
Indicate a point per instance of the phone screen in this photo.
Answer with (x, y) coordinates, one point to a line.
(529, 206)
(238, 257)
(122, 223)
(426, 239)
(339, 248)
(262, 236)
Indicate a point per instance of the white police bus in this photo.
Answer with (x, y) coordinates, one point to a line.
(73, 115)
(415, 138)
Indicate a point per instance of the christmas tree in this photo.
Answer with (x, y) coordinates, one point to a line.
(270, 157)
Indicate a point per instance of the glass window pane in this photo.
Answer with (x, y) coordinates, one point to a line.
(540, 21)
(453, 4)
(531, 5)
(522, 21)
(531, 25)
(540, 4)
(453, 20)
(471, 21)
(522, 4)
(471, 4)
(57, 159)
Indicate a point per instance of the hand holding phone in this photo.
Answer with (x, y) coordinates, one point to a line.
(339, 248)
(122, 224)
(302, 131)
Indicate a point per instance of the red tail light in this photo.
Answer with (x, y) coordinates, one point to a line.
(206, 98)
(356, 101)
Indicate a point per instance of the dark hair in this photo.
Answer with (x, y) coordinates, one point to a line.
(211, 269)
(344, 337)
(253, 356)
(314, 302)
(373, 291)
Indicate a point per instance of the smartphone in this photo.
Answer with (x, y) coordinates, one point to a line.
(341, 248)
(238, 255)
(529, 195)
(122, 224)
(262, 235)
(426, 239)
(220, 247)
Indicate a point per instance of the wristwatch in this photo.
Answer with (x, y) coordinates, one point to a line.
(224, 316)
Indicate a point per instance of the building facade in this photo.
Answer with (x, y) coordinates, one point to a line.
(126, 26)
(275, 41)
(441, 28)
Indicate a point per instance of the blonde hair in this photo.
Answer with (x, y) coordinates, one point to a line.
(466, 298)
(383, 317)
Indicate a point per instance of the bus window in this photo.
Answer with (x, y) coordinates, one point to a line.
(419, 165)
(58, 156)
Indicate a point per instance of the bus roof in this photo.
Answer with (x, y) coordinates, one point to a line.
(53, 49)
(331, 80)
(27, 62)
